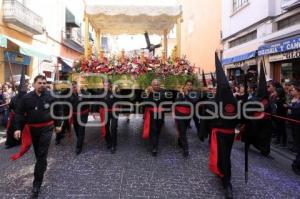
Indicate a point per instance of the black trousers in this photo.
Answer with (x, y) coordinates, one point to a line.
(281, 131)
(296, 136)
(80, 129)
(225, 142)
(182, 125)
(10, 139)
(156, 123)
(111, 127)
(41, 138)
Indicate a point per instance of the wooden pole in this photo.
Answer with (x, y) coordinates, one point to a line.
(178, 36)
(86, 35)
(11, 74)
(166, 42)
(98, 41)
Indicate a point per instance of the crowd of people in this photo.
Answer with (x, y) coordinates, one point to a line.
(6, 94)
(281, 105)
(284, 102)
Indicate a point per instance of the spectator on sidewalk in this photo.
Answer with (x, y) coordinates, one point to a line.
(6, 93)
(281, 110)
(294, 111)
(293, 114)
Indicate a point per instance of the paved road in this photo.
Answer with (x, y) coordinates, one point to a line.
(133, 173)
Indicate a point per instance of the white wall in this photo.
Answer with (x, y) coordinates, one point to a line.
(53, 13)
(255, 11)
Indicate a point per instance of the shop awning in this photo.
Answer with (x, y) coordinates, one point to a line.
(26, 49)
(66, 64)
(133, 17)
(289, 44)
(239, 58)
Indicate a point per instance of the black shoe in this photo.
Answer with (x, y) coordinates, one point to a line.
(179, 143)
(113, 150)
(293, 149)
(35, 192)
(296, 169)
(283, 146)
(185, 153)
(276, 142)
(228, 192)
(8, 146)
(78, 150)
(57, 142)
(108, 146)
(154, 152)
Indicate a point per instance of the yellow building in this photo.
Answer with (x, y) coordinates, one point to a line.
(16, 28)
(39, 35)
(201, 32)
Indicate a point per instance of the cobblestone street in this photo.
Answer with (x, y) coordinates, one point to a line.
(133, 173)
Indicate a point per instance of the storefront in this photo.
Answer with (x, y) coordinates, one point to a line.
(237, 67)
(284, 58)
(13, 64)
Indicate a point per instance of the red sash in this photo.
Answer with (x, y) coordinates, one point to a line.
(102, 118)
(26, 138)
(213, 156)
(147, 114)
(71, 119)
(185, 110)
(10, 118)
(262, 115)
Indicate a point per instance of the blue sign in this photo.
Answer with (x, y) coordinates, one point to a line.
(283, 46)
(239, 58)
(16, 58)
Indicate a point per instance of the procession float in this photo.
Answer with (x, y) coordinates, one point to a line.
(138, 70)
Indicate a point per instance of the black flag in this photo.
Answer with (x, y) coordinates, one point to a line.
(22, 89)
(262, 90)
(213, 80)
(204, 79)
(224, 93)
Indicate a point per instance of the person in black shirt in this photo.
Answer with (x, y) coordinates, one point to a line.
(153, 118)
(66, 112)
(186, 102)
(80, 114)
(108, 115)
(34, 110)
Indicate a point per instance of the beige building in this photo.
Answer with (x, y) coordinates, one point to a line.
(201, 32)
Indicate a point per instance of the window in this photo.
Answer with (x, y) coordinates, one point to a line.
(290, 21)
(244, 39)
(237, 4)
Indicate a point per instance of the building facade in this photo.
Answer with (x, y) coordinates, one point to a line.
(265, 30)
(44, 36)
(200, 32)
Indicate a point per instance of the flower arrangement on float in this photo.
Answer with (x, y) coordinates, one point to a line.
(139, 70)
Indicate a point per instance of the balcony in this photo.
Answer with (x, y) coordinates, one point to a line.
(22, 18)
(289, 4)
(72, 38)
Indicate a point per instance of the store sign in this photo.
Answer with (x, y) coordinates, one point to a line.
(16, 58)
(286, 45)
(246, 63)
(285, 56)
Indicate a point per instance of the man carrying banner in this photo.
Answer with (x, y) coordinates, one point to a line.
(223, 130)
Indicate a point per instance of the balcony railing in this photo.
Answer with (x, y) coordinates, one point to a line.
(288, 4)
(19, 15)
(73, 39)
